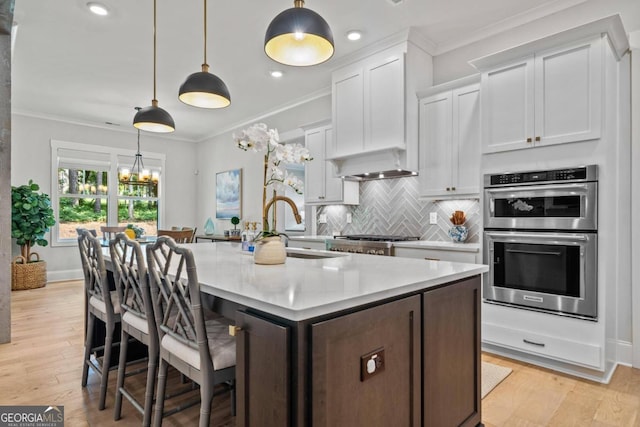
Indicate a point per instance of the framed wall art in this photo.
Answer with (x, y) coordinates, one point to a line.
(229, 194)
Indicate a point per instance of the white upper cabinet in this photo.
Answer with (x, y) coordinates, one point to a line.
(322, 187)
(368, 103)
(375, 110)
(348, 110)
(550, 97)
(450, 142)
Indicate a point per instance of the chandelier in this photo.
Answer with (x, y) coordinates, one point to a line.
(138, 174)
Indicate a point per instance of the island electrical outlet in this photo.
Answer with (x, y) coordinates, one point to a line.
(371, 364)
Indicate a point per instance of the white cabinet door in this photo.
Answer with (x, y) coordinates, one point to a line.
(315, 170)
(450, 143)
(568, 94)
(465, 147)
(384, 100)
(508, 107)
(435, 148)
(348, 110)
(333, 186)
(321, 185)
(552, 97)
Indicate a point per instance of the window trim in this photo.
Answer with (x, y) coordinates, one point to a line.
(112, 183)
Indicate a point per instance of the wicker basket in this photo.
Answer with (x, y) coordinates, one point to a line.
(28, 274)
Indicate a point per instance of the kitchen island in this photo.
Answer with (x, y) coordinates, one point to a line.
(330, 339)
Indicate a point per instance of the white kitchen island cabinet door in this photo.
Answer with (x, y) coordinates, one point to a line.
(551, 97)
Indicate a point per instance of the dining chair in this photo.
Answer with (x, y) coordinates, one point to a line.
(137, 320)
(193, 233)
(102, 304)
(198, 348)
(109, 232)
(180, 236)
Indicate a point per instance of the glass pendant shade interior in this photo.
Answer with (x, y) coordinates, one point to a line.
(203, 89)
(154, 118)
(299, 37)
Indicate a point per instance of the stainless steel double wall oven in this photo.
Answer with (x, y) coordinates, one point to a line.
(540, 240)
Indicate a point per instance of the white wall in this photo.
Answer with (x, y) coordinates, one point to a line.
(635, 190)
(31, 159)
(220, 153)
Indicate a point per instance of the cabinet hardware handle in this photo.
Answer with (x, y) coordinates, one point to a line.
(432, 259)
(233, 330)
(448, 189)
(453, 188)
(539, 344)
(528, 139)
(537, 138)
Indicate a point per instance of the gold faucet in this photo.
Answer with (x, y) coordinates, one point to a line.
(265, 211)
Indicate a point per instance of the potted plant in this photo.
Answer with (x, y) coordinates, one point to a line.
(31, 218)
(235, 221)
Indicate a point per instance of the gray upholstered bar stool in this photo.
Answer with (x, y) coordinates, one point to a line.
(130, 273)
(201, 350)
(102, 304)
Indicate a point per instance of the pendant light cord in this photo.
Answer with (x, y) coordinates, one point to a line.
(205, 32)
(154, 50)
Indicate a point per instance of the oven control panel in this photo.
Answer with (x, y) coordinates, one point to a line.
(584, 173)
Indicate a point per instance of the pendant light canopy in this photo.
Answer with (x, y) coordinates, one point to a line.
(203, 89)
(154, 118)
(299, 37)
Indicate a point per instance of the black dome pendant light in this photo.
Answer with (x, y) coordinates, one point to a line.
(299, 37)
(154, 118)
(203, 89)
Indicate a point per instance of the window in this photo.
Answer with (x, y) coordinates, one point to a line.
(93, 186)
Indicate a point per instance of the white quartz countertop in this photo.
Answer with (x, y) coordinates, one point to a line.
(305, 288)
(429, 244)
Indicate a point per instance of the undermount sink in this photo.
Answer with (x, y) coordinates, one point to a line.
(312, 254)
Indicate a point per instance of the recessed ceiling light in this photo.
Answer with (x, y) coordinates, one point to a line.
(354, 35)
(276, 74)
(98, 8)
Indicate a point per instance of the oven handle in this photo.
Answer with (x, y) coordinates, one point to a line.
(538, 187)
(545, 236)
(517, 251)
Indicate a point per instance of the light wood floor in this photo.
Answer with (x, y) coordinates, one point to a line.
(42, 366)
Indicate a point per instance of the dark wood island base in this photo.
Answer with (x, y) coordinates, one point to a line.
(413, 360)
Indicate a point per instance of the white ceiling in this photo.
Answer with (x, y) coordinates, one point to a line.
(72, 65)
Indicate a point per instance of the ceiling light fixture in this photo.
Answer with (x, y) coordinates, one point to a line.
(98, 9)
(276, 74)
(154, 118)
(354, 35)
(203, 89)
(299, 37)
(142, 175)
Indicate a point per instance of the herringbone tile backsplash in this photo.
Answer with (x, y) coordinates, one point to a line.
(391, 206)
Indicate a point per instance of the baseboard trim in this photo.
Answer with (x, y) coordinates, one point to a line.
(63, 275)
(624, 352)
